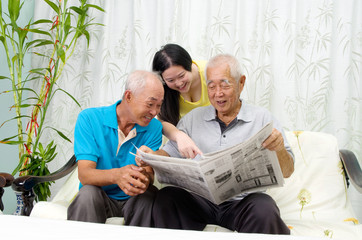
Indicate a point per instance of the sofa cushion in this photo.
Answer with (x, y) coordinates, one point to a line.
(316, 191)
(50, 210)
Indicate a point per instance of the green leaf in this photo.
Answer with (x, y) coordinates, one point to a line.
(41, 188)
(11, 142)
(52, 5)
(42, 167)
(7, 140)
(21, 161)
(41, 149)
(14, 9)
(27, 89)
(77, 10)
(61, 134)
(24, 105)
(69, 95)
(86, 33)
(42, 21)
(50, 155)
(61, 53)
(15, 58)
(3, 77)
(14, 118)
(43, 43)
(22, 36)
(38, 43)
(42, 55)
(67, 24)
(34, 30)
(95, 6)
(39, 71)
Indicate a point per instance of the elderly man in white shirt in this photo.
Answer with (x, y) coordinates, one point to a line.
(227, 122)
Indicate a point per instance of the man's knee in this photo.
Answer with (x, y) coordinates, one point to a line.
(169, 194)
(171, 191)
(88, 205)
(262, 216)
(264, 207)
(87, 196)
(88, 193)
(151, 193)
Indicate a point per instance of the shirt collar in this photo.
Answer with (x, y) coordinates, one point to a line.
(110, 115)
(243, 115)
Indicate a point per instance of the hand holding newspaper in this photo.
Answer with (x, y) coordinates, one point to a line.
(221, 175)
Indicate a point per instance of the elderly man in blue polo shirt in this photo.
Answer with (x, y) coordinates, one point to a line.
(226, 122)
(112, 185)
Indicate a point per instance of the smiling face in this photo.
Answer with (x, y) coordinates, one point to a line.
(146, 103)
(177, 78)
(223, 90)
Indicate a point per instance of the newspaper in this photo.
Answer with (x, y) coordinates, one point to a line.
(221, 175)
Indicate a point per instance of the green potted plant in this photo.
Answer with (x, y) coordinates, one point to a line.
(61, 35)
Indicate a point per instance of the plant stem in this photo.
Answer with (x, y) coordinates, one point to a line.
(17, 94)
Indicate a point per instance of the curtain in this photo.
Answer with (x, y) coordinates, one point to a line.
(302, 59)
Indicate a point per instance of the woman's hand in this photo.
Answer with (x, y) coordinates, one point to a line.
(186, 146)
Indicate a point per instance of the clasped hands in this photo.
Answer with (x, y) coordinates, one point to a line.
(134, 180)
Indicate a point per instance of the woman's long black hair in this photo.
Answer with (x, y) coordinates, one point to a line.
(171, 55)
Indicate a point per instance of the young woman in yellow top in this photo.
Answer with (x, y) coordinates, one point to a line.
(185, 89)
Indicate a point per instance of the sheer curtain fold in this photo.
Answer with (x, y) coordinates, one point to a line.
(302, 59)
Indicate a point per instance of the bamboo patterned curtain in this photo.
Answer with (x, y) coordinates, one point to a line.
(302, 59)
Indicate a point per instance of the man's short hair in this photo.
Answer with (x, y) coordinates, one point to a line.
(137, 79)
(231, 61)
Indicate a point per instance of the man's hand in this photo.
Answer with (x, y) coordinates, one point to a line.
(139, 161)
(133, 180)
(274, 142)
(186, 146)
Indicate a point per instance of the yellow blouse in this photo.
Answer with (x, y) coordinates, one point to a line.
(187, 106)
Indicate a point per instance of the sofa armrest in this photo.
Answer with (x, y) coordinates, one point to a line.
(6, 180)
(352, 168)
(25, 184)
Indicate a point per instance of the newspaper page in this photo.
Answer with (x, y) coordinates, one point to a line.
(221, 175)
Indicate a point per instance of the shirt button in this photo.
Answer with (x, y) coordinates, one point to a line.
(224, 136)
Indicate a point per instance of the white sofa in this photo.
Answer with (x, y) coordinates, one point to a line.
(313, 202)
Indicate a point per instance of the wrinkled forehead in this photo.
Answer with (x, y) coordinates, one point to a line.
(155, 99)
(219, 72)
(218, 81)
(151, 93)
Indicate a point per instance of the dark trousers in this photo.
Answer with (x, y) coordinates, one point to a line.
(177, 208)
(93, 205)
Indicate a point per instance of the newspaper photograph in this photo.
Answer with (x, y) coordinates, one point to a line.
(222, 175)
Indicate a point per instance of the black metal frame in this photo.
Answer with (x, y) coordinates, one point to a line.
(25, 184)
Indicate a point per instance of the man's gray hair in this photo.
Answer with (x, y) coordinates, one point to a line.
(137, 79)
(231, 61)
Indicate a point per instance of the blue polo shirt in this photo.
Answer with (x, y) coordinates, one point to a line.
(96, 139)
